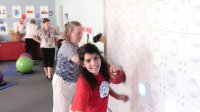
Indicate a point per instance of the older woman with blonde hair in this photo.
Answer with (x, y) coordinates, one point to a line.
(65, 77)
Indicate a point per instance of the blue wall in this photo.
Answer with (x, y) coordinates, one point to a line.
(23, 4)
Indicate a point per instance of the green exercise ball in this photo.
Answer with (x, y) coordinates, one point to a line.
(24, 65)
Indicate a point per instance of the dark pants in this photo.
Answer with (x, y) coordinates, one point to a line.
(31, 48)
(48, 55)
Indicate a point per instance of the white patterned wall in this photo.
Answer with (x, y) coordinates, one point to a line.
(157, 42)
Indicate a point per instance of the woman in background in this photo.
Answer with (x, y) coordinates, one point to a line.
(47, 35)
(31, 45)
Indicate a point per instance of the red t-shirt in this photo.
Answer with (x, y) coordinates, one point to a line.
(88, 100)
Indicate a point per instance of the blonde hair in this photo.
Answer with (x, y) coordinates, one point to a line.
(69, 28)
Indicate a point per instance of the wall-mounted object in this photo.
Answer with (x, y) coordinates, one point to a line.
(3, 12)
(16, 12)
(3, 29)
(37, 15)
(23, 16)
(44, 10)
(30, 12)
(50, 13)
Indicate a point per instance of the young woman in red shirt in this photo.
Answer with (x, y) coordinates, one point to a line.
(93, 90)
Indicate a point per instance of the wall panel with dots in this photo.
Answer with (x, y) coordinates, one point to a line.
(157, 43)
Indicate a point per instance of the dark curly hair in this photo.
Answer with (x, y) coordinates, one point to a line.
(90, 48)
(46, 20)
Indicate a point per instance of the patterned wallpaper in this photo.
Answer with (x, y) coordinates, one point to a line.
(157, 43)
